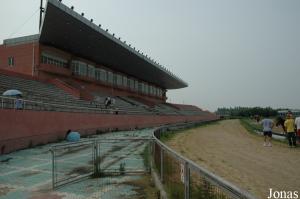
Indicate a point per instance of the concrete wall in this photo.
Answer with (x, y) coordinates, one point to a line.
(22, 128)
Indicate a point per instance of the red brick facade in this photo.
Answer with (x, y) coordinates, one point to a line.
(26, 57)
(21, 129)
(27, 60)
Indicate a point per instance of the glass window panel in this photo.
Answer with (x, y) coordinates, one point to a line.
(136, 85)
(103, 75)
(146, 89)
(115, 79)
(97, 74)
(110, 77)
(125, 83)
(140, 87)
(119, 80)
(82, 69)
(131, 82)
(91, 71)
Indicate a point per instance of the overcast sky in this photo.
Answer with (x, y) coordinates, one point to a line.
(231, 52)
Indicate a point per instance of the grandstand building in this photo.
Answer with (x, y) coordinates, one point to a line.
(65, 73)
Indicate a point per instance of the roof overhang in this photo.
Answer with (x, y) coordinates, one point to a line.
(65, 29)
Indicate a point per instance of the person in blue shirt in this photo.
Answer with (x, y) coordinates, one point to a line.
(19, 103)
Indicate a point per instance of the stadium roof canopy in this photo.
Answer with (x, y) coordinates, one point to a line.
(65, 29)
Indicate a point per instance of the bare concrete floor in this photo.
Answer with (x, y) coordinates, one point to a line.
(27, 174)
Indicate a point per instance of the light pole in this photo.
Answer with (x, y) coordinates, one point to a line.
(41, 14)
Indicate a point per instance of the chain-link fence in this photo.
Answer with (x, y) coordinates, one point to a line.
(72, 162)
(99, 158)
(183, 178)
(108, 158)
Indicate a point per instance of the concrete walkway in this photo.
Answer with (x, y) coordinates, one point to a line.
(28, 173)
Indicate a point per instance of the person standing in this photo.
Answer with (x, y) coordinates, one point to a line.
(290, 130)
(267, 129)
(297, 123)
(18, 103)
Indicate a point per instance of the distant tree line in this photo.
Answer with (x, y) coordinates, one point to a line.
(246, 111)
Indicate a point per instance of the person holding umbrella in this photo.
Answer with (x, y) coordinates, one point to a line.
(19, 102)
(17, 94)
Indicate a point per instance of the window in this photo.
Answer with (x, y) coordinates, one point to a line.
(131, 84)
(151, 90)
(75, 67)
(103, 75)
(159, 92)
(119, 80)
(146, 87)
(115, 79)
(136, 85)
(110, 77)
(11, 61)
(82, 69)
(125, 83)
(91, 71)
(79, 68)
(53, 60)
(142, 88)
(97, 74)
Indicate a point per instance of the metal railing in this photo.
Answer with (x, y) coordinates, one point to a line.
(73, 162)
(10, 103)
(182, 178)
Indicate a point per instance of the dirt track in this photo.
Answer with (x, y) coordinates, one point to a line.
(229, 151)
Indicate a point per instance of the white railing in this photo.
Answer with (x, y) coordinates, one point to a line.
(11, 102)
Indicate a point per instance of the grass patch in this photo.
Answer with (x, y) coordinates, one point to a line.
(204, 124)
(249, 126)
(168, 135)
(165, 136)
(146, 156)
(144, 187)
(206, 191)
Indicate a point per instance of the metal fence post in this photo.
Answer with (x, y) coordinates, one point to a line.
(53, 169)
(94, 156)
(161, 165)
(97, 159)
(149, 155)
(186, 181)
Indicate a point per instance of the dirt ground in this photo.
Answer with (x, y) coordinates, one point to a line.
(229, 151)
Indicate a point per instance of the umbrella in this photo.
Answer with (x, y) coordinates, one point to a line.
(12, 92)
(73, 137)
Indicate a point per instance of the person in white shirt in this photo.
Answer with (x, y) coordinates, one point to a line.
(297, 123)
(267, 125)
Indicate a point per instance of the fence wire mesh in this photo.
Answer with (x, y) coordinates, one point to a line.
(72, 162)
(100, 158)
(173, 176)
(183, 178)
(201, 188)
(114, 159)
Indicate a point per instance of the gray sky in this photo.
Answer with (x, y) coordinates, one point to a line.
(231, 52)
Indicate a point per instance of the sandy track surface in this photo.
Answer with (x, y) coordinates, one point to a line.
(232, 153)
